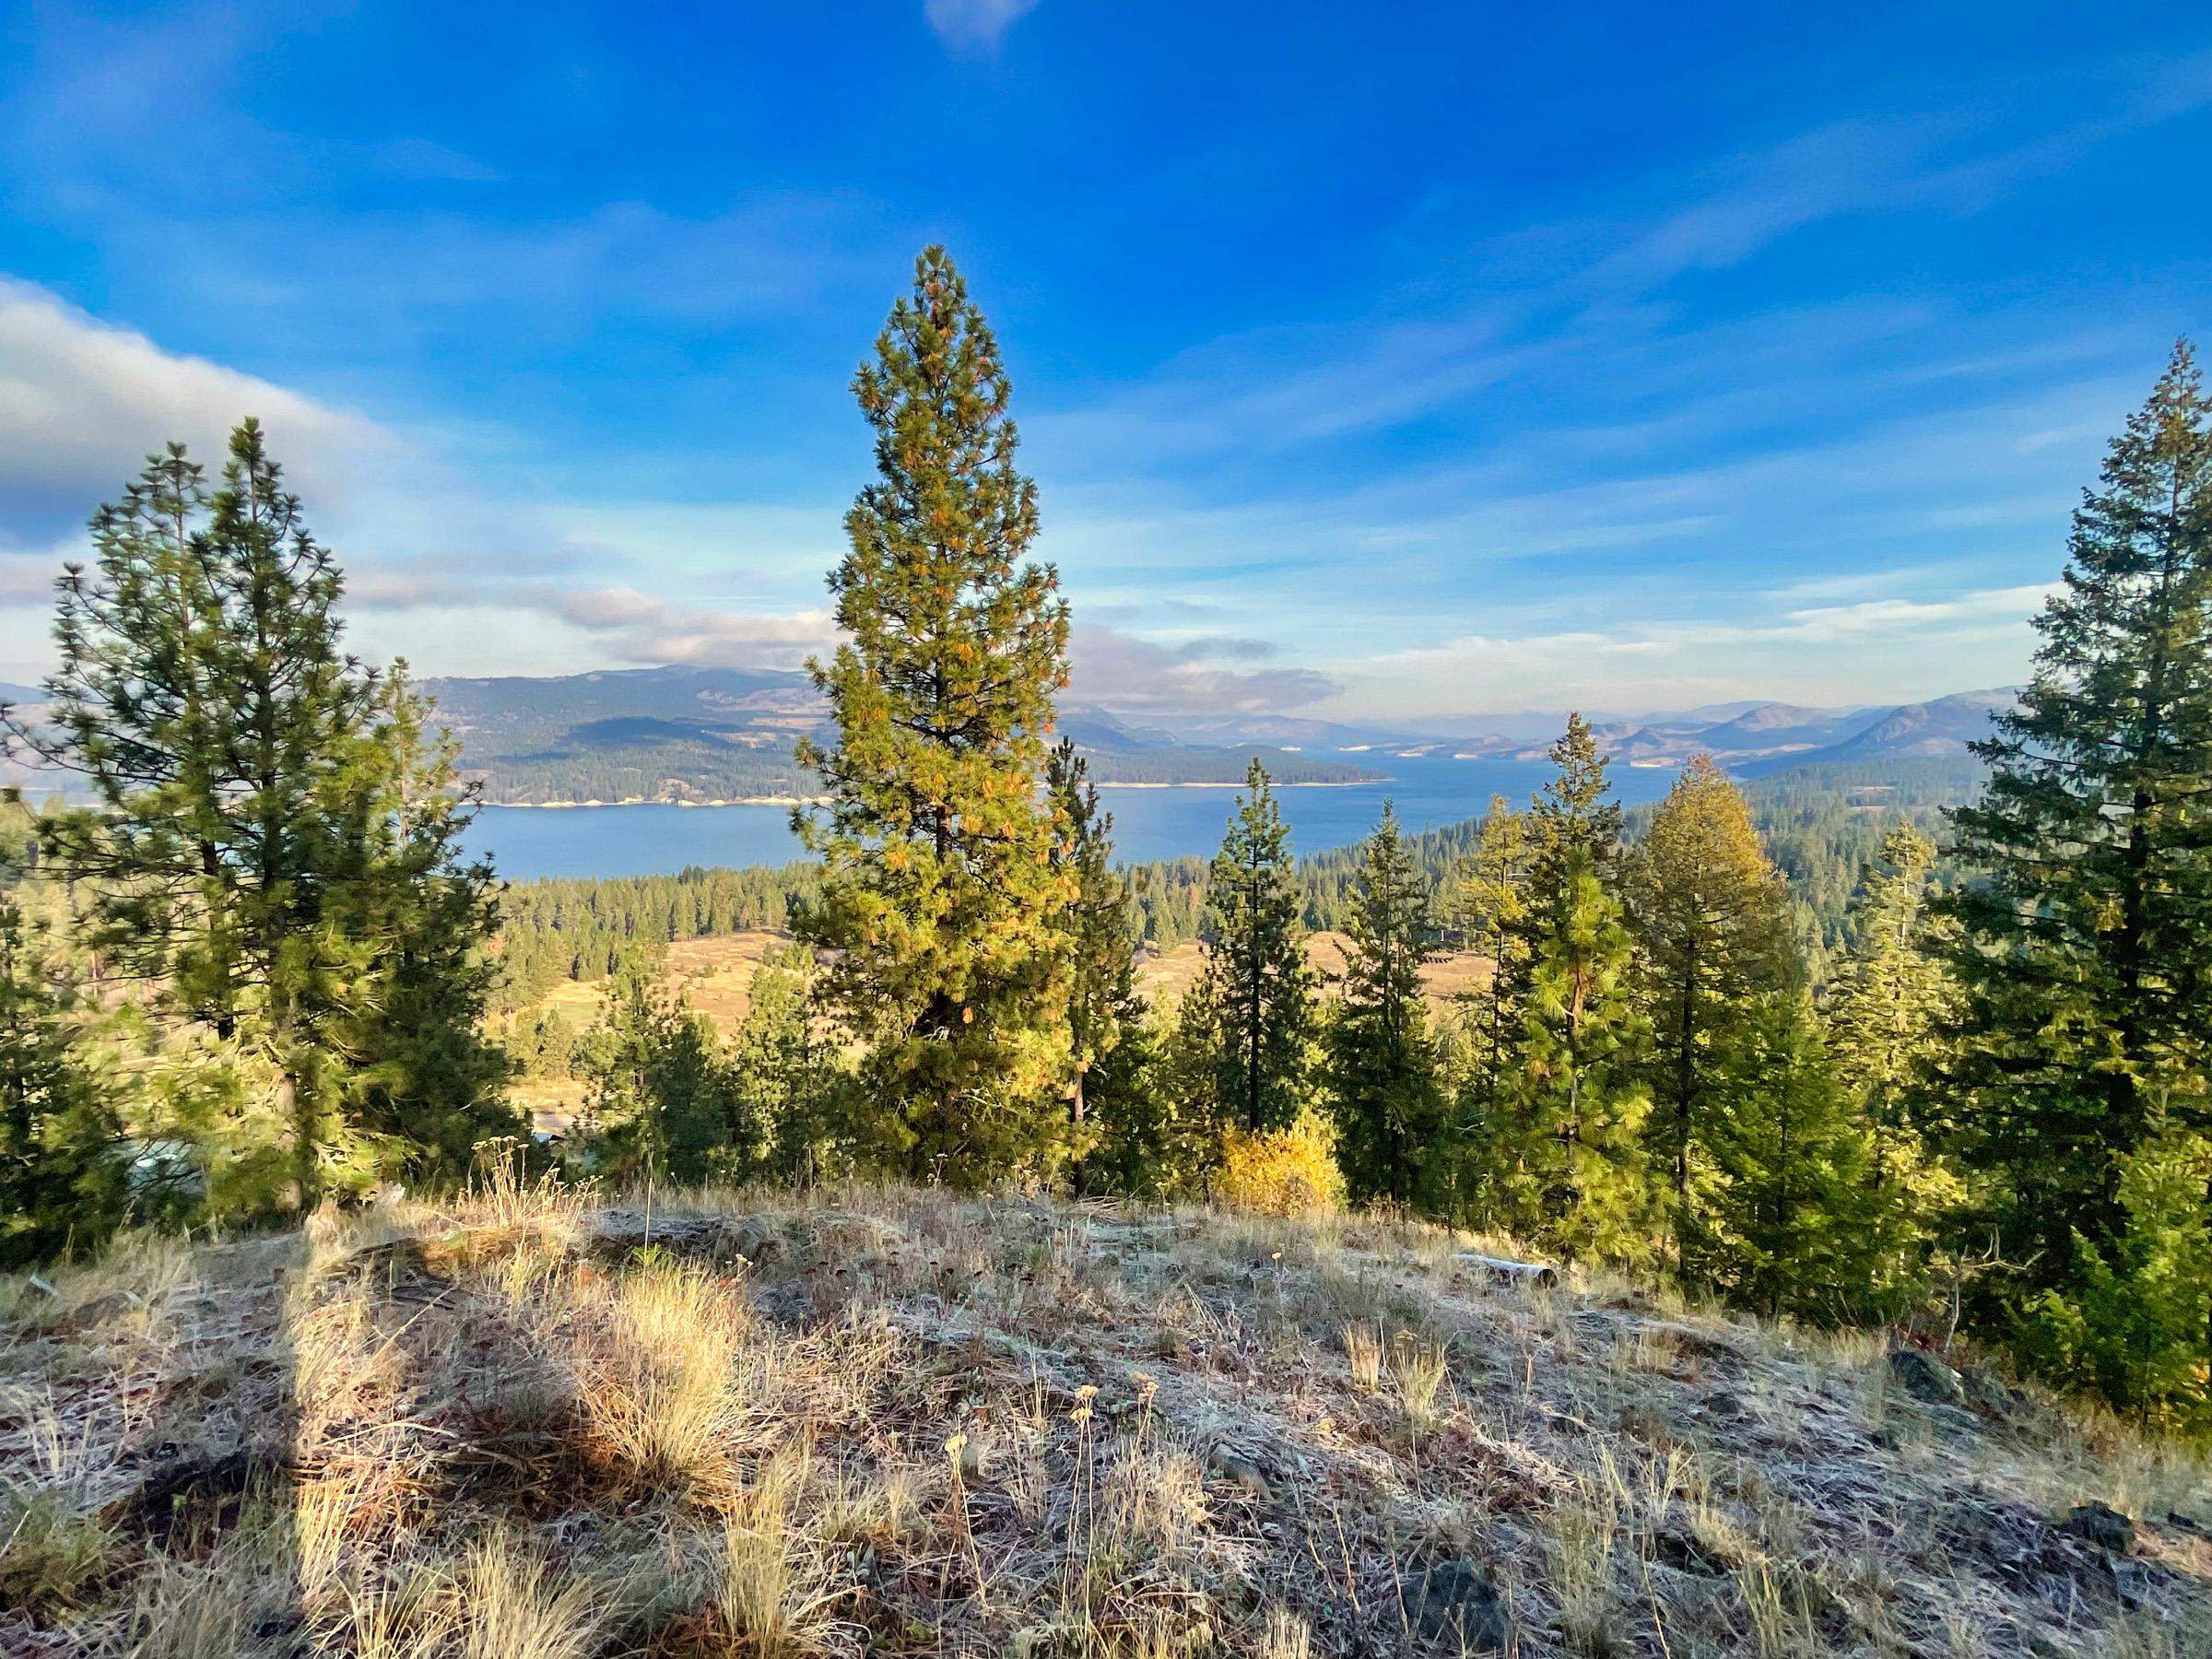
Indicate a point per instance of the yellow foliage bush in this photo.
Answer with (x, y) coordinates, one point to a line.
(1281, 1172)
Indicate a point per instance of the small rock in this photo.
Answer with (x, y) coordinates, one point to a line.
(1454, 1604)
(1726, 1406)
(2102, 1526)
(99, 1311)
(1924, 1377)
(975, 1459)
(1986, 1392)
(1232, 1464)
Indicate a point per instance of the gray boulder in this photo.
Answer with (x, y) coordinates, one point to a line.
(1924, 1377)
(2102, 1526)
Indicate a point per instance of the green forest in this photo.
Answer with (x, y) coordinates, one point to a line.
(1913, 1046)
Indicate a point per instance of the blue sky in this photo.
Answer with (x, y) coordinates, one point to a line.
(1379, 362)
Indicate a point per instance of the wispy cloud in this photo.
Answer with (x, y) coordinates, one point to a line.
(1875, 650)
(975, 26)
(622, 624)
(1128, 672)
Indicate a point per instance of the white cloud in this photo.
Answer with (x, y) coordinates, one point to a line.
(975, 26)
(83, 401)
(644, 628)
(622, 623)
(1126, 672)
(1875, 650)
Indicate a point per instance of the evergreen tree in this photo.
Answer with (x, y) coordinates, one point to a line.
(1712, 919)
(2131, 1322)
(1575, 1175)
(1164, 1139)
(1573, 814)
(237, 759)
(1786, 1230)
(2086, 949)
(1103, 1008)
(1891, 996)
(785, 1123)
(941, 900)
(661, 1104)
(1260, 986)
(545, 1046)
(62, 1178)
(1490, 905)
(1382, 1063)
(432, 1081)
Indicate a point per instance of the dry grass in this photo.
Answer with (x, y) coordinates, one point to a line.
(1165, 976)
(531, 1421)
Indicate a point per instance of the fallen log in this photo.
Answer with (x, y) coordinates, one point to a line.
(1513, 1273)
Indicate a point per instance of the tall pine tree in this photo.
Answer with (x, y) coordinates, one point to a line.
(1711, 917)
(1261, 988)
(942, 897)
(1381, 1063)
(1888, 1001)
(2086, 949)
(1574, 1175)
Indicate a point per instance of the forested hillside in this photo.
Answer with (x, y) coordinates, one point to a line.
(683, 734)
(1822, 825)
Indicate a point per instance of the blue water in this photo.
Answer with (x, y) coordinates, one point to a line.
(526, 844)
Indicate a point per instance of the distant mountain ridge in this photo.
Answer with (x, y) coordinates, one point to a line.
(690, 734)
(727, 734)
(1748, 738)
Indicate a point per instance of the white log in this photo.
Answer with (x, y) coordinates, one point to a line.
(1514, 1273)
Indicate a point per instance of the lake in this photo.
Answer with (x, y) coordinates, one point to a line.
(526, 844)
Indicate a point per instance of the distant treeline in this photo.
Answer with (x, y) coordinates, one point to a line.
(1823, 826)
(700, 768)
(706, 768)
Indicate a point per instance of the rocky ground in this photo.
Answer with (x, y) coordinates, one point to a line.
(534, 1423)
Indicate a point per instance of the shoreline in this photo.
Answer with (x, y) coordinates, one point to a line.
(823, 800)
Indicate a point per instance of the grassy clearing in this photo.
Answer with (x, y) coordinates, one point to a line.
(536, 1421)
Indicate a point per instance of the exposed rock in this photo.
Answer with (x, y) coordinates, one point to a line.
(1226, 1460)
(2102, 1526)
(1986, 1393)
(1924, 1377)
(1453, 1606)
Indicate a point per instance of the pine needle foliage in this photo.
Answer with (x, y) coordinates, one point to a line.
(1486, 904)
(942, 895)
(1260, 986)
(272, 844)
(1710, 918)
(1885, 1009)
(1574, 1169)
(1381, 1063)
(2086, 941)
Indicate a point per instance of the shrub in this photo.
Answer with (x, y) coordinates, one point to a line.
(1287, 1171)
